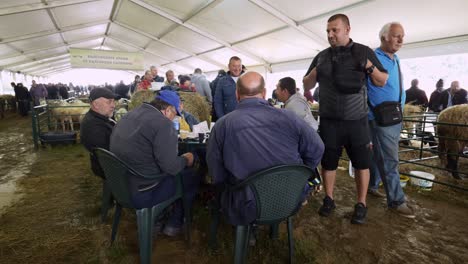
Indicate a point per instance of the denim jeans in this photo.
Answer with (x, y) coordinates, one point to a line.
(166, 189)
(385, 152)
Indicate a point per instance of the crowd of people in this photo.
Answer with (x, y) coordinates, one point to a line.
(361, 99)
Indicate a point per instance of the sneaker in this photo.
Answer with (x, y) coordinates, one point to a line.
(172, 231)
(359, 215)
(328, 206)
(404, 211)
(376, 193)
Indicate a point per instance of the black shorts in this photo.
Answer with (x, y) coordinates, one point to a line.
(353, 135)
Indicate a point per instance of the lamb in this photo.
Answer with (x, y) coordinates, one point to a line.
(64, 112)
(452, 139)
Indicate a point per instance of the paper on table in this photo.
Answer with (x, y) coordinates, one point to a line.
(156, 86)
(201, 128)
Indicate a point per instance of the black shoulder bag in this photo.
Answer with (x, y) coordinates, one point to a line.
(388, 113)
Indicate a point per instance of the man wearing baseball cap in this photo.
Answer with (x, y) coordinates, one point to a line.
(96, 127)
(146, 139)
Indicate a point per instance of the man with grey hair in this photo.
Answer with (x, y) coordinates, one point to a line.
(169, 77)
(385, 137)
(454, 95)
(202, 85)
(156, 77)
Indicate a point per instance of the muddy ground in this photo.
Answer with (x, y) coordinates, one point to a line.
(51, 206)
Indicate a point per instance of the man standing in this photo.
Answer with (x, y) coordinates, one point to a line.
(146, 139)
(385, 138)
(22, 97)
(202, 85)
(225, 95)
(256, 136)
(97, 124)
(454, 95)
(145, 84)
(294, 101)
(156, 77)
(416, 96)
(435, 101)
(169, 77)
(38, 93)
(341, 71)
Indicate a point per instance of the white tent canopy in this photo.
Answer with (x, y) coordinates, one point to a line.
(275, 35)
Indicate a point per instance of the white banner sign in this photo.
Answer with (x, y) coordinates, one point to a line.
(106, 59)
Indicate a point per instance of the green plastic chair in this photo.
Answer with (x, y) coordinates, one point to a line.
(107, 200)
(278, 193)
(117, 173)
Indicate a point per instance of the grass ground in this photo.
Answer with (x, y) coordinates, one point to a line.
(57, 221)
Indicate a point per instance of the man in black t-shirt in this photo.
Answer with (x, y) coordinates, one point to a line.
(341, 70)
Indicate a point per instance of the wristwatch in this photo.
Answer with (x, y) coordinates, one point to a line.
(370, 70)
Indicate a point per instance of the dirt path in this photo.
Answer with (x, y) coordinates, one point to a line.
(16, 156)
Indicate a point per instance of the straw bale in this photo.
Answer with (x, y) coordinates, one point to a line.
(197, 105)
(140, 97)
(314, 107)
(194, 103)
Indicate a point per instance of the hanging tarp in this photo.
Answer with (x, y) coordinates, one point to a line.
(105, 59)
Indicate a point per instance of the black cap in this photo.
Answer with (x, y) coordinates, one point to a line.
(97, 93)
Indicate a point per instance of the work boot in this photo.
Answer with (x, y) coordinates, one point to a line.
(376, 193)
(404, 211)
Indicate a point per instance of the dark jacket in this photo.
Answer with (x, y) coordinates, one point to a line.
(21, 93)
(254, 137)
(225, 97)
(458, 98)
(416, 96)
(95, 132)
(435, 101)
(146, 140)
(63, 92)
(341, 75)
(158, 78)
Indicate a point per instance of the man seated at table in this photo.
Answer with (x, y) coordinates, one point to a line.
(146, 140)
(97, 125)
(253, 137)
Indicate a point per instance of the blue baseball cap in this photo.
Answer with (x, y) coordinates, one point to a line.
(171, 98)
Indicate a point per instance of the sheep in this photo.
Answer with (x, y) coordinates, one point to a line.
(64, 111)
(452, 139)
(7, 101)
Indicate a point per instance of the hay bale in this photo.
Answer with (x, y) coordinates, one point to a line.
(197, 105)
(194, 103)
(314, 107)
(452, 115)
(140, 97)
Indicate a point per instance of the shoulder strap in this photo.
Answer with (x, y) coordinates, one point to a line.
(399, 77)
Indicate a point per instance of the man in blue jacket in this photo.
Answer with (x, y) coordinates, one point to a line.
(225, 95)
(256, 136)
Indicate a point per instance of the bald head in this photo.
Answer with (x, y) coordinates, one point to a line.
(250, 84)
(455, 86)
